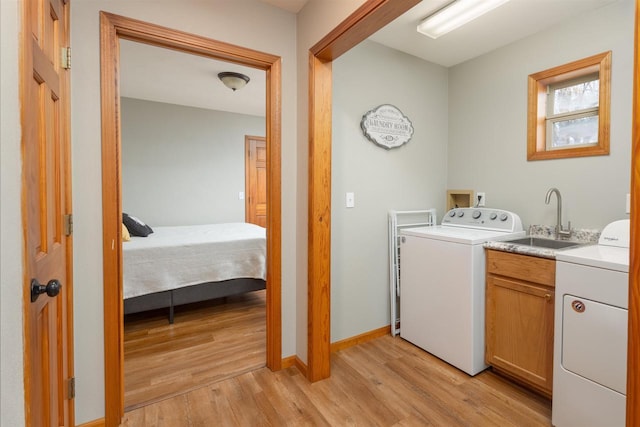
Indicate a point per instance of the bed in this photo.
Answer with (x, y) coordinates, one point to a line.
(185, 264)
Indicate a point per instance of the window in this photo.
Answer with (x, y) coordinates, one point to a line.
(569, 110)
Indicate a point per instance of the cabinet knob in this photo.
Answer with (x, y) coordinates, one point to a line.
(547, 297)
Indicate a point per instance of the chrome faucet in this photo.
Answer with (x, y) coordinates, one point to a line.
(560, 231)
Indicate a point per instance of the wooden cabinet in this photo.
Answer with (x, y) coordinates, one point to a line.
(519, 318)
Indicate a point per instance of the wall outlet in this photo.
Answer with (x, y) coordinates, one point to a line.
(481, 199)
(241, 195)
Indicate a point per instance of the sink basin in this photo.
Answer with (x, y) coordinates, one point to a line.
(540, 242)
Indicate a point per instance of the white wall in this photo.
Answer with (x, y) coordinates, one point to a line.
(488, 128)
(11, 245)
(248, 23)
(184, 165)
(407, 178)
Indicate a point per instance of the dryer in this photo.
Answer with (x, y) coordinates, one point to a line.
(590, 332)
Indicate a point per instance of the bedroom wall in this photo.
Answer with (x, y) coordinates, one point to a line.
(407, 178)
(11, 347)
(248, 23)
(183, 165)
(488, 128)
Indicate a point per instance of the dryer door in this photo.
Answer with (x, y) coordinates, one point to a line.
(594, 341)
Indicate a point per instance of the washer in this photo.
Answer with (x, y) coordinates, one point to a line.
(590, 341)
(442, 283)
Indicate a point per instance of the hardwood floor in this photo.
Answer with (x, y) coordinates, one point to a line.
(208, 342)
(384, 382)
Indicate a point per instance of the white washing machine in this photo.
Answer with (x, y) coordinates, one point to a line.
(590, 341)
(442, 283)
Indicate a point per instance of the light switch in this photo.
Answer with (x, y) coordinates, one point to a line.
(628, 204)
(241, 195)
(350, 200)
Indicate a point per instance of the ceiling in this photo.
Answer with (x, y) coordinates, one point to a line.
(164, 75)
(506, 24)
(289, 5)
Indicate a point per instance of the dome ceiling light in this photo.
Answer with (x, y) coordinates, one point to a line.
(233, 81)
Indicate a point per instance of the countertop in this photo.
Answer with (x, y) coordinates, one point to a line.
(581, 236)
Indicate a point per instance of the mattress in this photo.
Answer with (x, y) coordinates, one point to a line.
(175, 257)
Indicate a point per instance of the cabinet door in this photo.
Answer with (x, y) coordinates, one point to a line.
(520, 330)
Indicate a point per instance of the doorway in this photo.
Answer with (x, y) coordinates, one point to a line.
(182, 144)
(113, 28)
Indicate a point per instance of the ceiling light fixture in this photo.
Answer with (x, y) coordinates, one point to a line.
(454, 15)
(233, 81)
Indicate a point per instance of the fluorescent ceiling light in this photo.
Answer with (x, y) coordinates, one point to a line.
(454, 15)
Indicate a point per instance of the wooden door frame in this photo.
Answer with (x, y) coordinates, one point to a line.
(112, 28)
(366, 20)
(247, 148)
(633, 355)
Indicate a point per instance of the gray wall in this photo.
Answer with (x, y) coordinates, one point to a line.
(406, 178)
(470, 123)
(183, 165)
(488, 128)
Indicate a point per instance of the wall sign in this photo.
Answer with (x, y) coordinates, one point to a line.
(387, 127)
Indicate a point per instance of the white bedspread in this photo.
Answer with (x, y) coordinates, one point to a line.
(174, 257)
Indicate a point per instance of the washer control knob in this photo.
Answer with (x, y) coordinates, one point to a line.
(493, 216)
(476, 214)
(460, 214)
(503, 217)
(452, 213)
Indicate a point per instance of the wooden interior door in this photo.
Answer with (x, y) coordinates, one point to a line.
(46, 202)
(255, 180)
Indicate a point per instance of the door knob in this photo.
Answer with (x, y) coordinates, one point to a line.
(52, 288)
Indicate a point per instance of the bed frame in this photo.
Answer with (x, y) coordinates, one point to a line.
(196, 293)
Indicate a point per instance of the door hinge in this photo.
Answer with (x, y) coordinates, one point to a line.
(65, 58)
(68, 224)
(71, 388)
